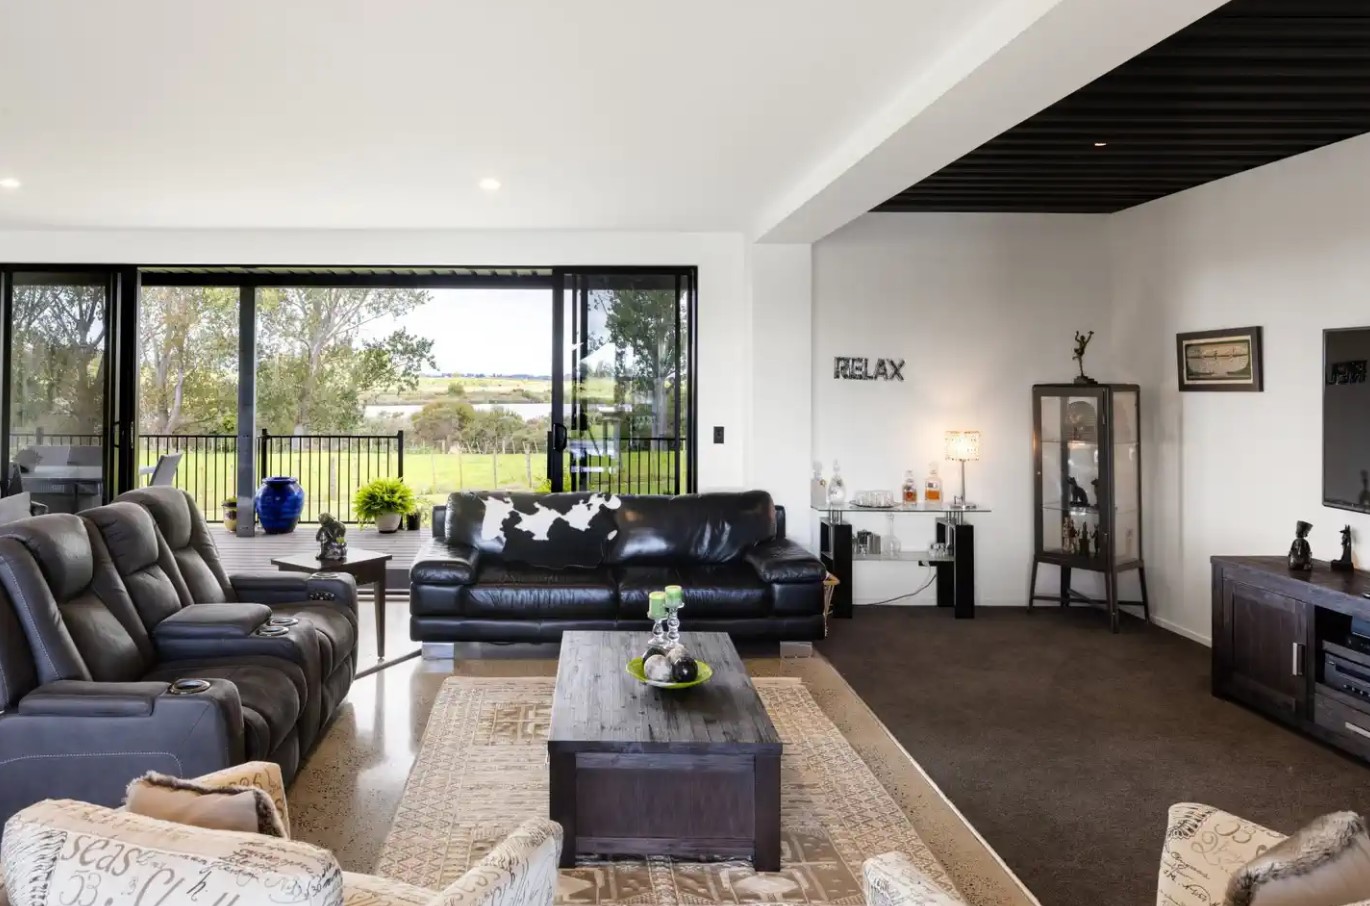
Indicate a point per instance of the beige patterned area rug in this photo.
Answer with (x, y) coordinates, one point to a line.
(482, 768)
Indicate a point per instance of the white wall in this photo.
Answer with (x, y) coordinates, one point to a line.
(724, 379)
(1286, 247)
(780, 419)
(981, 307)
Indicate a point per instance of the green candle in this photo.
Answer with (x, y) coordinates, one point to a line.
(675, 594)
(656, 605)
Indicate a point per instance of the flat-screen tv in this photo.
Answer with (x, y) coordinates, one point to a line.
(1346, 419)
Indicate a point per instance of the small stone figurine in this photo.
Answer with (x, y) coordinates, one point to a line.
(1078, 497)
(1300, 554)
(1084, 541)
(332, 538)
(1343, 563)
(1082, 341)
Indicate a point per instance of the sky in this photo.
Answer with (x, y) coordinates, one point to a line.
(483, 331)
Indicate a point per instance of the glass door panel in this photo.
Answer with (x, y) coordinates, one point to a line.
(56, 408)
(188, 391)
(622, 412)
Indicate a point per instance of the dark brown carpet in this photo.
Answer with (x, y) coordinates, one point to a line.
(1064, 745)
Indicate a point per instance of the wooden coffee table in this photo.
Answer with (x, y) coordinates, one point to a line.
(641, 771)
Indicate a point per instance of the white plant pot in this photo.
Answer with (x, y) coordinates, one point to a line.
(388, 522)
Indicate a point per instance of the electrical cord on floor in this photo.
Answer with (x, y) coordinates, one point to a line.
(932, 576)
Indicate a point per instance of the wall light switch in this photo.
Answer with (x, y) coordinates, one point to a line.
(718, 434)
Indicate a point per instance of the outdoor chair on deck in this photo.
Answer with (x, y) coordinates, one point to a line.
(163, 475)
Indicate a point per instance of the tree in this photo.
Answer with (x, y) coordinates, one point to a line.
(640, 320)
(315, 370)
(58, 358)
(442, 423)
(493, 430)
(187, 343)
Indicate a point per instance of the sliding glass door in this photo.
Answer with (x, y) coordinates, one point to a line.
(56, 415)
(622, 415)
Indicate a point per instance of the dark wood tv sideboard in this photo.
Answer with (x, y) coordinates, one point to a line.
(1273, 633)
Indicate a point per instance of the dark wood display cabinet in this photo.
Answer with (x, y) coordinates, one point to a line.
(1295, 646)
(1087, 466)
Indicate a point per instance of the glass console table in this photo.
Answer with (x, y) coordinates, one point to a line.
(955, 566)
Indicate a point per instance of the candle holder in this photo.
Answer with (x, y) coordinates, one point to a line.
(673, 622)
(675, 600)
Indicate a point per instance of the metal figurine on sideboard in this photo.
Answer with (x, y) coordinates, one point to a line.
(1344, 564)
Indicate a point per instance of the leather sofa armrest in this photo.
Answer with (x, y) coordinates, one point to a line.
(440, 563)
(212, 621)
(85, 740)
(324, 588)
(784, 562)
(79, 698)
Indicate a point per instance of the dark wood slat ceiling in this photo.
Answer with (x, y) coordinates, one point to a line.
(1253, 82)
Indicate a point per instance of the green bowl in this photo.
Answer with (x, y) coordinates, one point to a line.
(634, 669)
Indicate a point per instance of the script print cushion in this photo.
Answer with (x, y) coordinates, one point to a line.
(60, 853)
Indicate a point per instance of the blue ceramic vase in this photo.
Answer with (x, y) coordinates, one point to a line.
(280, 501)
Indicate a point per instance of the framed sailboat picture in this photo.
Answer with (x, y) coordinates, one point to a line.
(1220, 359)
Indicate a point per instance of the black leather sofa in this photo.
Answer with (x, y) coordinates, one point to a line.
(511, 567)
(101, 621)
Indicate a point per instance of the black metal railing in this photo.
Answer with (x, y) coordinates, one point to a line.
(330, 467)
(627, 465)
(208, 469)
(38, 438)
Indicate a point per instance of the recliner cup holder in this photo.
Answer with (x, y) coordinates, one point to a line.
(188, 686)
(270, 631)
(283, 621)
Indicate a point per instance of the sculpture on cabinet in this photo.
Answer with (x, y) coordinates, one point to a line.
(1069, 536)
(1343, 564)
(1300, 554)
(1085, 539)
(1078, 497)
(1081, 342)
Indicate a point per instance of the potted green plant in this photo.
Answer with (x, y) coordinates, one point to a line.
(384, 501)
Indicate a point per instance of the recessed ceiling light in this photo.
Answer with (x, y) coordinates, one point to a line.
(9, 182)
(490, 184)
(1101, 144)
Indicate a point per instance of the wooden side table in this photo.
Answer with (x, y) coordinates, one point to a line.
(368, 567)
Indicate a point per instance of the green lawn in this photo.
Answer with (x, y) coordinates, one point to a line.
(330, 479)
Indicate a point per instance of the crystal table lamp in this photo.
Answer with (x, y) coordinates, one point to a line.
(962, 447)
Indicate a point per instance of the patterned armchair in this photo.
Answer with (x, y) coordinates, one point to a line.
(892, 879)
(1203, 848)
(47, 848)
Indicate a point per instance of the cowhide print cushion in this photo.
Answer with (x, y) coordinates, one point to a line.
(550, 530)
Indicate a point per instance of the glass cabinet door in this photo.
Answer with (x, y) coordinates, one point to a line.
(1126, 477)
(1072, 473)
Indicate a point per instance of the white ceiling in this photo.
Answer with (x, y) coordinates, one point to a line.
(595, 114)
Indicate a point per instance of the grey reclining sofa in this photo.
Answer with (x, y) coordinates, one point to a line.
(111, 667)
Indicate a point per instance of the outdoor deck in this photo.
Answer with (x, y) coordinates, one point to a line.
(254, 554)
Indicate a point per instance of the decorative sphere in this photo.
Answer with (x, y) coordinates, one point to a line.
(685, 670)
(657, 668)
(653, 649)
(675, 653)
